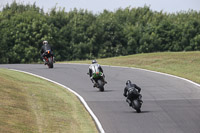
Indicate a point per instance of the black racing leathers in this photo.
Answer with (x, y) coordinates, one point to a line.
(132, 91)
(93, 68)
(44, 48)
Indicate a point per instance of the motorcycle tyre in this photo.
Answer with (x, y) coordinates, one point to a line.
(100, 85)
(50, 63)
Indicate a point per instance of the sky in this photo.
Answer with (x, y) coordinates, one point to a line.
(97, 6)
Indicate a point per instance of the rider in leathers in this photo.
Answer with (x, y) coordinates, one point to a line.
(129, 92)
(45, 47)
(93, 68)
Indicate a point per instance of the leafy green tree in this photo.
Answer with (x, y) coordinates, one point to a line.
(80, 34)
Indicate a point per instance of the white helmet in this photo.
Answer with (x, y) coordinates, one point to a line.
(94, 61)
(45, 42)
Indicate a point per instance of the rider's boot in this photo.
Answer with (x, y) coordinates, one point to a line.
(104, 80)
(54, 59)
(128, 101)
(95, 85)
(140, 98)
(44, 62)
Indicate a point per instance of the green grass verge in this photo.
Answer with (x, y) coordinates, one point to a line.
(31, 105)
(183, 64)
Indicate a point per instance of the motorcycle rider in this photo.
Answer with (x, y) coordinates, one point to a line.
(132, 91)
(93, 68)
(45, 47)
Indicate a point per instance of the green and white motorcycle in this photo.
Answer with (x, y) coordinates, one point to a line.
(99, 82)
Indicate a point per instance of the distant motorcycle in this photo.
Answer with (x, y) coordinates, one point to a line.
(49, 58)
(136, 103)
(98, 80)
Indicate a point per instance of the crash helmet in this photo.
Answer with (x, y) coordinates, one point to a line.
(128, 82)
(45, 42)
(94, 61)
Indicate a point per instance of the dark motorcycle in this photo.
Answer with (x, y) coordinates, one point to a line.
(136, 102)
(99, 81)
(48, 58)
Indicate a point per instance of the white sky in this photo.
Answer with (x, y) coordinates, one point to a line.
(97, 6)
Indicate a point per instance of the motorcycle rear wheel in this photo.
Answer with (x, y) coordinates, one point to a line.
(100, 85)
(138, 111)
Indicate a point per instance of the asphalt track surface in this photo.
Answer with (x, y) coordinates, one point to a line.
(171, 105)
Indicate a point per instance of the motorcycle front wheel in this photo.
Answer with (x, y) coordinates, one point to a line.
(50, 63)
(136, 105)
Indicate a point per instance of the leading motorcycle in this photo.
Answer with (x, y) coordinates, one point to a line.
(48, 58)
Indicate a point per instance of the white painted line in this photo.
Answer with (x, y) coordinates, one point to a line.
(158, 73)
(170, 76)
(192, 82)
(99, 126)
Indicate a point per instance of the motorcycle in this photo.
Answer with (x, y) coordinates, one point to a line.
(48, 58)
(136, 101)
(99, 81)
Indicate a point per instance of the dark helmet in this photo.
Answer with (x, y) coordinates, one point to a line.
(94, 61)
(128, 82)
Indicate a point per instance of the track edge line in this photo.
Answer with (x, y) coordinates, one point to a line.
(97, 122)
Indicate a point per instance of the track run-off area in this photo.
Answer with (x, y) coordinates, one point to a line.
(171, 104)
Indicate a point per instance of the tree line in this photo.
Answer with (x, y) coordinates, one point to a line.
(80, 34)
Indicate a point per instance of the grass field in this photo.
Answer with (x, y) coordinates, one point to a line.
(31, 105)
(183, 64)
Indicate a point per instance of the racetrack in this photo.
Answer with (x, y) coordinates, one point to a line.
(171, 105)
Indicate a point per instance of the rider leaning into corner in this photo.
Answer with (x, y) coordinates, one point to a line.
(46, 46)
(93, 68)
(130, 93)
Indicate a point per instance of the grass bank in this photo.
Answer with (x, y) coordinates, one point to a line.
(182, 64)
(31, 105)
